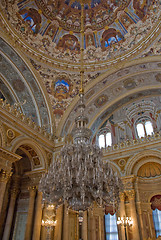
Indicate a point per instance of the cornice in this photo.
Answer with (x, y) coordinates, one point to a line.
(11, 115)
(7, 158)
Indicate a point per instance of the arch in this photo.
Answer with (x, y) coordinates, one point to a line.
(28, 79)
(113, 82)
(133, 163)
(114, 166)
(153, 194)
(25, 141)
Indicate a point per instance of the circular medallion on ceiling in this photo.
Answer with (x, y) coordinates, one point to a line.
(112, 29)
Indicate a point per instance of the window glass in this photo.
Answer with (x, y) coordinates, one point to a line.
(111, 227)
(157, 221)
(108, 139)
(140, 130)
(148, 128)
(101, 141)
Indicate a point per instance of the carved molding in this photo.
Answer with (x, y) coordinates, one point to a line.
(7, 158)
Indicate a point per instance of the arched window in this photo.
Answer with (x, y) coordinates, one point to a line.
(105, 139)
(144, 128)
(111, 227)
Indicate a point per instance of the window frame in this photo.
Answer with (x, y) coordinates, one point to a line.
(143, 121)
(104, 132)
(111, 232)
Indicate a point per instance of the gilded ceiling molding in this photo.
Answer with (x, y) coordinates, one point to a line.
(133, 163)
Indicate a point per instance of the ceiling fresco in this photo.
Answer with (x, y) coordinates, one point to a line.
(46, 33)
(112, 28)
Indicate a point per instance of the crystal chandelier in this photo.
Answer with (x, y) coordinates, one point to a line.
(80, 177)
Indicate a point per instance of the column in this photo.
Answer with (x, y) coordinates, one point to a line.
(91, 224)
(38, 217)
(85, 226)
(4, 177)
(151, 223)
(30, 213)
(66, 224)
(135, 228)
(14, 193)
(58, 227)
(122, 214)
(43, 231)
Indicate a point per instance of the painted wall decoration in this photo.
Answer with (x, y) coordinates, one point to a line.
(32, 18)
(62, 88)
(101, 100)
(69, 42)
(21, 82)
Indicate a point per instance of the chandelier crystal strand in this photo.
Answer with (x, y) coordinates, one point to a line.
(80, 177)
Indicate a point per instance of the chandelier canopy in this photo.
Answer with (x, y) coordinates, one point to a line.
(80, 177)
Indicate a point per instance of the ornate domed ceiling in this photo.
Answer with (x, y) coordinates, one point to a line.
(114, 30)
(46, 35)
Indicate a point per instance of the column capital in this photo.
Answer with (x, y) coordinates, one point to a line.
(4, 176)
(32, 190)
(131, 194)
(122, 196)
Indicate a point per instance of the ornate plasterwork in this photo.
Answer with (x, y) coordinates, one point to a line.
(7, 158)
(34, 152)
(150, 169)
(62, 86)
(2, 136)
(22, 85)
(135, 162)
(120, 87)
(131, 38)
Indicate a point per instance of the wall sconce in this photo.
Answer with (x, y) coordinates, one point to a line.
(48, 223)
(124, 221)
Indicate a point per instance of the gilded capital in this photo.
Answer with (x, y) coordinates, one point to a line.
(14, 192)
(32, 190)
(4, 176)
(131, 194)
(122, 196)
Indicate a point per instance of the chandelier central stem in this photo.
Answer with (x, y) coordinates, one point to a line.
(81, 91)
